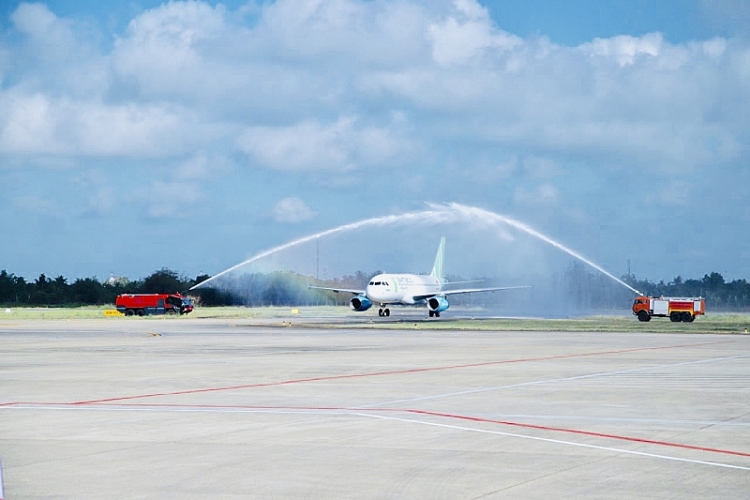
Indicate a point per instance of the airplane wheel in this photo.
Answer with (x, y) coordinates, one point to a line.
(437, 314)
(431, 314)
(386, 312)
(380, 313)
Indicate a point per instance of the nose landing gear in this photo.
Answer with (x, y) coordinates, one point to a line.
(384, 312)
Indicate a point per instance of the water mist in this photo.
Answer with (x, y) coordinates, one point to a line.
(434, 214)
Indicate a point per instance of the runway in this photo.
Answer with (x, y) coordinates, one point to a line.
(196, 408)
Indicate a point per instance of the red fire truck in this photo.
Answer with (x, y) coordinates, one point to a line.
(675, 308)
(153, 303)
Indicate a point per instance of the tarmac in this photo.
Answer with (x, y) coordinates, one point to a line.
(206, 408)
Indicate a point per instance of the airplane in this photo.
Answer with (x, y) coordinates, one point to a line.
(409, 289)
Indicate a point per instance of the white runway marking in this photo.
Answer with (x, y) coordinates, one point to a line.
(548, 381)
(357, 412)
(558, 441)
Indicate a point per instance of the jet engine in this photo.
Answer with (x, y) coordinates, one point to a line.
(360, 303)
(437, 304)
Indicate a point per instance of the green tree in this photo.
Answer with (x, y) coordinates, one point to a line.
(7, 287)
(164, 281)
(88, 291)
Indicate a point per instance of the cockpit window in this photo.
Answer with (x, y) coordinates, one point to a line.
(372, 282)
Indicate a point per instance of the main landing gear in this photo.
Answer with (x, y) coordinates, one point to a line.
(434, 313)
(384, 312)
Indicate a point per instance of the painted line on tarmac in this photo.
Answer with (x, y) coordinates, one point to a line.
(177, 407)
(550, 381)
(586, 419)
(371, 412)
(580, 432)
(392, 372)
(558, 441)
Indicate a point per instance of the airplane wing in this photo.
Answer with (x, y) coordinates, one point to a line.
(467, 290)
(337, 290)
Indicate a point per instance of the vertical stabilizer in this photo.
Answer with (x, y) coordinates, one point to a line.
(437, 269)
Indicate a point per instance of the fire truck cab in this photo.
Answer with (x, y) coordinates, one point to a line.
(675, 308)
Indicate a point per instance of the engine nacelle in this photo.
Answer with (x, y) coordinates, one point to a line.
(437, 304)
(360, 303)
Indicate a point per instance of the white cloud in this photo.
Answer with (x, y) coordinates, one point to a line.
(44, 30)
(203, 166)
(170, 199)
(39, 124)
(34, 19)
(166, 49)
(625, 49)
(292, 210)
(456, 41)
(348, 84)
(309, 145)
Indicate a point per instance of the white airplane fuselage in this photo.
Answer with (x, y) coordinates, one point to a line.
(401, 288)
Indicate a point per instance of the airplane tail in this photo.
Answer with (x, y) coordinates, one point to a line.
(437, 268)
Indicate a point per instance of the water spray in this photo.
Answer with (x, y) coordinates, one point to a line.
(420, 216)
(434, 214)
(474, 212)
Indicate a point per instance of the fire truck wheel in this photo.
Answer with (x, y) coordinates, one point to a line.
(643, 316)
(675, 317)
(140, 312)
(687, 317)
(129, 312)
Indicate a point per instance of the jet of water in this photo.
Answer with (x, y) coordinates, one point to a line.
(422, 216)
(478, 213)
(435, 214)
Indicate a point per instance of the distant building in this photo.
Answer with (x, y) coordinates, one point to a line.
(117, 280)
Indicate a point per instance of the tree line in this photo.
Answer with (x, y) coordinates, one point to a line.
(596, 291)
(45, 291)
(577, 288)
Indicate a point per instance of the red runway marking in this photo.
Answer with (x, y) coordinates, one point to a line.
(385, 373)
(575, 431)
(413, 411)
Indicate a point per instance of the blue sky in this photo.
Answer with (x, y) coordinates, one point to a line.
(192, 135)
